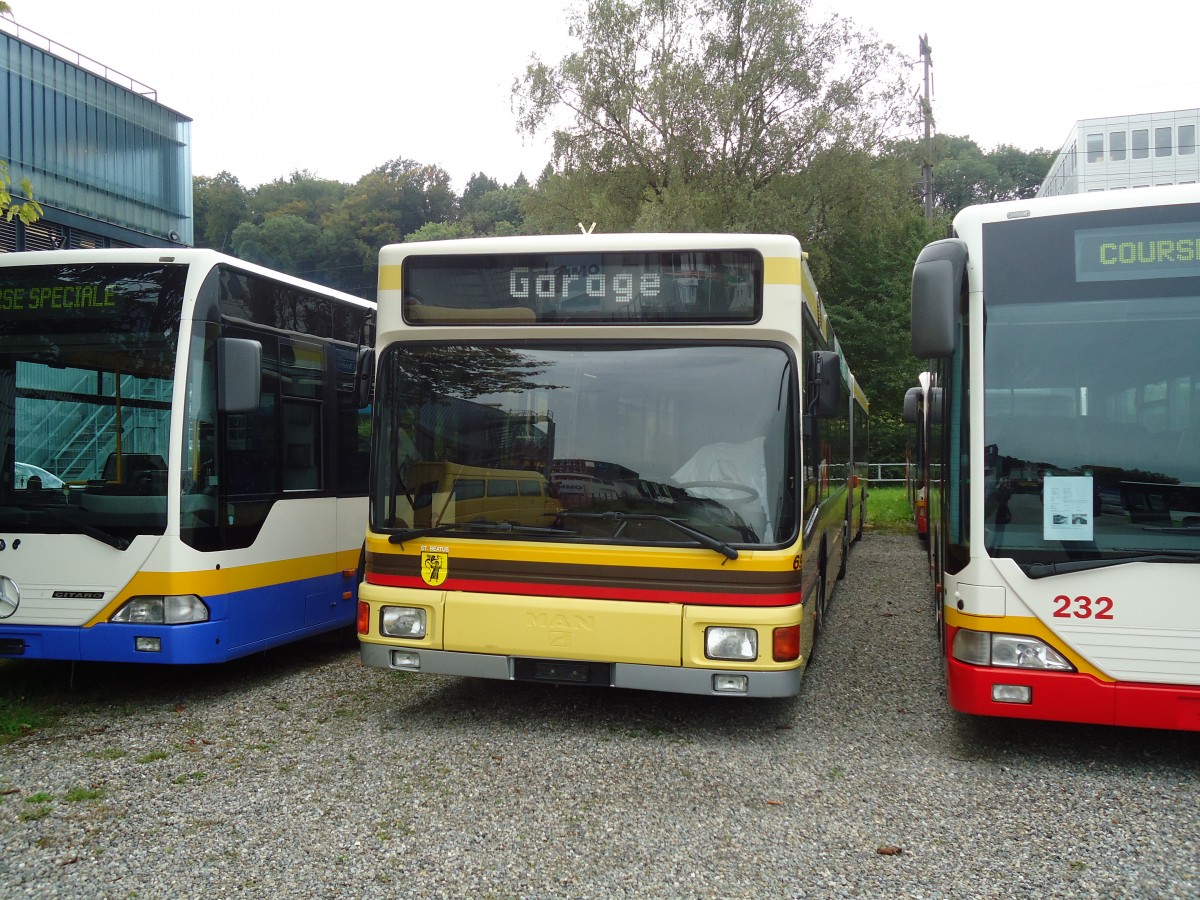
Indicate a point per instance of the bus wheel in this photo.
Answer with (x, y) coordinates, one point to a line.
(819, 605)
(822, 599)
(939, 616)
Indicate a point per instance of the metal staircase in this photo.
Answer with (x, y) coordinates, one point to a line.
(72, 439)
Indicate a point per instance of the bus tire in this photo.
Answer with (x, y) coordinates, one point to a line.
(823, 587)
(822, 611)
(845, 551)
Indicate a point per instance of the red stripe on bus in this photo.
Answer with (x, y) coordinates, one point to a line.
(690, 598)
(1074, 697)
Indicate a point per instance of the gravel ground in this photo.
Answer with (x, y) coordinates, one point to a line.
(301, 774)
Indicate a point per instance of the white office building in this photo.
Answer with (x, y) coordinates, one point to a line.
(1123, 152)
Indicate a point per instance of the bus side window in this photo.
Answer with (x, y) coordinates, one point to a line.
(302, 457)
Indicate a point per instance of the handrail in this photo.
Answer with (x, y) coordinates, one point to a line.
(96, 67)
(875, 472)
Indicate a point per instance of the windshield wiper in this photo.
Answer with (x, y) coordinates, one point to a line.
(411, 534)
(34, 513)
(1041, 570)
(704, 540)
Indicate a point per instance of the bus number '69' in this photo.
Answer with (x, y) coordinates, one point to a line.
(1083, 607)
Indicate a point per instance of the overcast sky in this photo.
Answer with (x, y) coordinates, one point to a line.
(340, 88)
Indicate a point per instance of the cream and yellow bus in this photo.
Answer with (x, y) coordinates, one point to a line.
(681, 415)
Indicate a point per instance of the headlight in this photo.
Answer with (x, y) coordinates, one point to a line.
(1026, 653)
(402, 621)
(173, 609)
(1015, 651)
(721, 642)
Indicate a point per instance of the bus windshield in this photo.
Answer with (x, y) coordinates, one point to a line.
(608, 442)
(1092, 401)
(87, 354)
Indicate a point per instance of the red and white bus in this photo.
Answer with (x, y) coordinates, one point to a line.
(1064, 405)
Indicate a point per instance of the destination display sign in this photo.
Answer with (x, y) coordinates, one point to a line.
(52, 296)
(1138, 252)
(634, 287)
(47, 298)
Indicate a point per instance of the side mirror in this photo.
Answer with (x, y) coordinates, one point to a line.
(912, 406)
(936, 288)
(364, 376)
(824, 384)
(239, 375)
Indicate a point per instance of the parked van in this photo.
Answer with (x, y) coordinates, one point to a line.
(447, 492)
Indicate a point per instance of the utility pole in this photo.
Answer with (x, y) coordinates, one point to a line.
(927, 114)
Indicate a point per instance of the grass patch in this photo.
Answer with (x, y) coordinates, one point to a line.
(79, 794)
(108, 753)
(888, 510)
(18, 717)
(32, 815)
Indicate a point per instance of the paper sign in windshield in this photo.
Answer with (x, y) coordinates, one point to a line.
(1067, 502)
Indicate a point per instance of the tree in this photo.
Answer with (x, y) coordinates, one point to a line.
(439, 231)
(964, 174)
(1021, 172)
(284, 242)
(301, 194)
(27, 210)
(477, 186)
(863, 229)
(726, 95)
(489, 208)
(342, 260)
(219, 204)
(397, 198)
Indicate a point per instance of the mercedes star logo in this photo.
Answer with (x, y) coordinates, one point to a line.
(10, 596)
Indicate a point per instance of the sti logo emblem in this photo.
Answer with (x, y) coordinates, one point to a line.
(434, 567)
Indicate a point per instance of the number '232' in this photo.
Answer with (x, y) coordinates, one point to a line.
(1083, 607)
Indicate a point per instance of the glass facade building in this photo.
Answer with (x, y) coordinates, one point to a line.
(110, 165)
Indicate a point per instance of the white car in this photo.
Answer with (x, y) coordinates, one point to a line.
(25, 471)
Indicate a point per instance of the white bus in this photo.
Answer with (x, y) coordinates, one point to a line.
(183, 470)
(683, 397)
(1065, 445)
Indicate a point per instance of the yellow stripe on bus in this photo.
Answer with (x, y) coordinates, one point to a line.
(589, 554)
(389, 278)
(207, 582)
(781, 270)
(1027, 625)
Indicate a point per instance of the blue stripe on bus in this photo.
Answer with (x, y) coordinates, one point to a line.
(241, 623)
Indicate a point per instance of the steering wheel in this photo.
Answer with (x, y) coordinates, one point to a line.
(751, 493)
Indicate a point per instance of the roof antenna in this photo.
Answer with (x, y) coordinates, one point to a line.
(583, 230)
